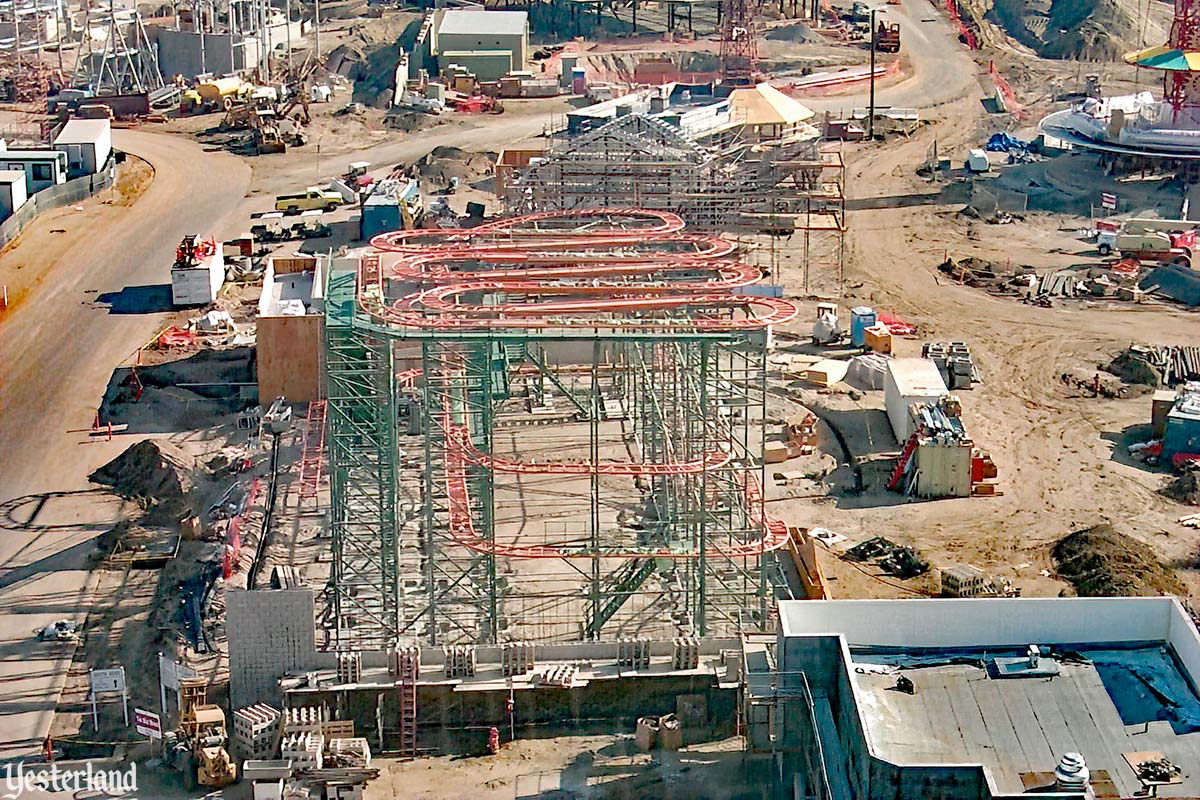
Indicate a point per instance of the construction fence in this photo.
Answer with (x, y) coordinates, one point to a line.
(64, 194)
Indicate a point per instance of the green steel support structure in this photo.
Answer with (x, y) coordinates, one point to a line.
(657, 397)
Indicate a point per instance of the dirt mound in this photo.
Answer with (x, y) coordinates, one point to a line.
(158, 475)
(369, 54)
(1080, 30)
(1103, 562)
(797, 32)
(1185, 487)
(443, 163)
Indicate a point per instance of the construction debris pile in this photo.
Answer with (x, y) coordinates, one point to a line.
(1158, 366)
(902, 562)
(983, 274)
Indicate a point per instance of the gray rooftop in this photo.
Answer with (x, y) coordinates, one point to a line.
(1102, 708)
(484, 23)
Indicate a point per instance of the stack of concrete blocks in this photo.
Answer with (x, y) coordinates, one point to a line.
(559, 675)
(304, 719)
(633, 653)
(255, 731)
(516, 658)
(670, 733)
(305, 750)
(646, 734)
(404, 661)
(349, 753)
(460, 661)
(271, 633)
(953, 360)
(686, 653)
(349, 667)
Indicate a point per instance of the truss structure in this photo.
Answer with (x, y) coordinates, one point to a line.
(125, 62)
(549, 429)
(788, 188)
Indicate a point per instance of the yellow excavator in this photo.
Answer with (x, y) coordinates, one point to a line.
(197, 748)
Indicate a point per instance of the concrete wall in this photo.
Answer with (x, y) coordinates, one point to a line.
(53, 197)
(189, 54)
(270, 632)
(983, 622)
(457, 721)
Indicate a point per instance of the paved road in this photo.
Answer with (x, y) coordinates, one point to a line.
(57, 353)
(941, 67)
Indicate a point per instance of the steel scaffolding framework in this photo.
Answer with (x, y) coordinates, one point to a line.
(793, 188)
(501, 479)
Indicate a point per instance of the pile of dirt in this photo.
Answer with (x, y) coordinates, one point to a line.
(157, 474)
(1186, 486)
(1103, 562)
(797, 32)
(368, 56)
(1079, 30)
(443, 163)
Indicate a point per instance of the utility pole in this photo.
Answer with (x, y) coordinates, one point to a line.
(317, 22)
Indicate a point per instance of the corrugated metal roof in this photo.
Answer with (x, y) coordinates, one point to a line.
(465, 21)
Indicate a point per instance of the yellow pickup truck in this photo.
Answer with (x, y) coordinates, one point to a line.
(314, 197)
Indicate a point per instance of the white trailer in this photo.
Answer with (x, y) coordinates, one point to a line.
(908, 381)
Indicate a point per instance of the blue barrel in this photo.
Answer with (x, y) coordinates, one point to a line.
(861, 318)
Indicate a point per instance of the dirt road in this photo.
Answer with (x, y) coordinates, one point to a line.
(1060, 456)
(58, 348)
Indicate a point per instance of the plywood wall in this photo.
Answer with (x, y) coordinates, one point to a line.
(289, 358)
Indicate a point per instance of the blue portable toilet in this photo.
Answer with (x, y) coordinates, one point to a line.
(861, 318)
(380, 214)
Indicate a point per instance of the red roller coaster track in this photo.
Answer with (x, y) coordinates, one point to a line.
(612, 269)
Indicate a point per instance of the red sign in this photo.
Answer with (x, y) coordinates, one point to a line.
(1108, 200)
(147, 723)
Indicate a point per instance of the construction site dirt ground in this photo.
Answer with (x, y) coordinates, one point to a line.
(1060, 455)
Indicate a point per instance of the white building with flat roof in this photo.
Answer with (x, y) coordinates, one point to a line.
(978, 699)
(12, 192)
(87, 143)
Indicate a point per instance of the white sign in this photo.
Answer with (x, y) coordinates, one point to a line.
(147, 723)
(108, 680)
(1108, 200)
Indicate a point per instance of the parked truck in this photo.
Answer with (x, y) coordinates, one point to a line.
(314, 197)
(1165, 240)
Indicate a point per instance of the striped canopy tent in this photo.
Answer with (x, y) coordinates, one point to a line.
(1166, 57)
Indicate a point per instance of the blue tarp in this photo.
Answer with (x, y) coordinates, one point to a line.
(1002, 143)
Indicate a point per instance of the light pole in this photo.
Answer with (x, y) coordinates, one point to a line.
(871, 109)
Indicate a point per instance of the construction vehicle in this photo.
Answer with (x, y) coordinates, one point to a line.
(270, 228)
(311, 226)
(1129, 234)
(197, 748)
(1165, 240)
(887, 37)
(219, 93)
(313, 197)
